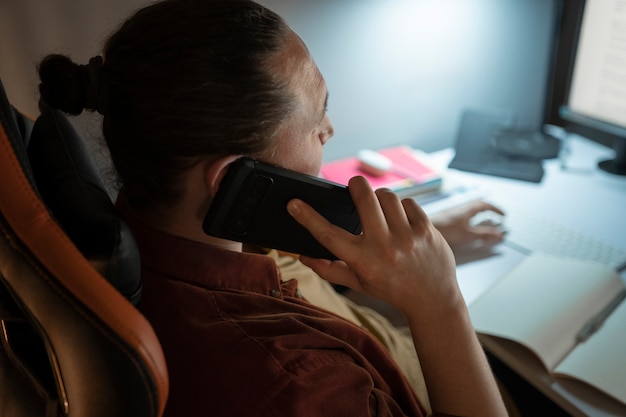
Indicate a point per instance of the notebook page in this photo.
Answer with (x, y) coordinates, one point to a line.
(544, 302)
(601, 360)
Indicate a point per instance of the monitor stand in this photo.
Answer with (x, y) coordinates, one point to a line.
(617, 165)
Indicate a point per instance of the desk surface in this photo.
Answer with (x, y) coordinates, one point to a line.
(575, 193)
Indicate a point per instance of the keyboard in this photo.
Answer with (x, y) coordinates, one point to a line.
(533, 233)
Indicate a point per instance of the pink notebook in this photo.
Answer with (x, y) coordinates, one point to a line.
(409, 175)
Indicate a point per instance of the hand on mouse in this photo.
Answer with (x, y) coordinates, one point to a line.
(456, 227)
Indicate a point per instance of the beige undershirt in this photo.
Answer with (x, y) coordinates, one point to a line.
(320, 293)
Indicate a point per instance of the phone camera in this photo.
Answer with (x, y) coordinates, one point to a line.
(246, 209)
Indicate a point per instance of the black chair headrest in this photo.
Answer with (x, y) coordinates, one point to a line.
(70, 186)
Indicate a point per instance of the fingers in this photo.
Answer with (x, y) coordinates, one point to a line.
(393, 210)
(400, 215)
(488, 234)
(368, 206)
(414, 212)
(338, 241)
(481, 205)
(382, 215)
(332, 237)
(343, 244)
(336, 272)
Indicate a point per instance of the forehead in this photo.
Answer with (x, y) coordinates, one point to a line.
(295, 65)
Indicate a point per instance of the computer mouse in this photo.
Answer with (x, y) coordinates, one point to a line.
(488, 218)
(373, 163)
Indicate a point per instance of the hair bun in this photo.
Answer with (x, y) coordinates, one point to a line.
(63, 83)
(70, 87)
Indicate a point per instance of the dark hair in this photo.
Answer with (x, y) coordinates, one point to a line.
(181, 79)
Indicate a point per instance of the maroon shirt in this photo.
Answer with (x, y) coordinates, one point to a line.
(239, 341)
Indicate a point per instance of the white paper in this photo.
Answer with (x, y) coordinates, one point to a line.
(601, 360)
(544, 302)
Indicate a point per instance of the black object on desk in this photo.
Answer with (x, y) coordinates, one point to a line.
(476, 149)
(526, 143)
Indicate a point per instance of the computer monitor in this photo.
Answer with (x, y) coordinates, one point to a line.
(588, 93)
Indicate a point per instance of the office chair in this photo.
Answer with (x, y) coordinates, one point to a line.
(72, 343)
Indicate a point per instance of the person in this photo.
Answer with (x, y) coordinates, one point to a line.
(185, 88)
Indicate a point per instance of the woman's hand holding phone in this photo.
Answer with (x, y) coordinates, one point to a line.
(400, 257)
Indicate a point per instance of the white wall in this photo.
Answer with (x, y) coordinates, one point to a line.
(398, 71)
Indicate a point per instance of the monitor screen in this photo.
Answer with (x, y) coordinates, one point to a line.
(595, 100)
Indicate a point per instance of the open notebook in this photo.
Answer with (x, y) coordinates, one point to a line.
(548, 305)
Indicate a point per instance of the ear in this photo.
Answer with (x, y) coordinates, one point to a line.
(215, 172)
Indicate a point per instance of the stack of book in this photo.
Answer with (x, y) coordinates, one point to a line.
(408, 173)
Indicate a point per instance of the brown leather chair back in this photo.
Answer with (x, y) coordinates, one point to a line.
(72, 343)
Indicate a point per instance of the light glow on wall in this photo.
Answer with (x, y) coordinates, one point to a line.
(414, 39)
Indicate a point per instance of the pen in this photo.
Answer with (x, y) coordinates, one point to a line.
(596, 321)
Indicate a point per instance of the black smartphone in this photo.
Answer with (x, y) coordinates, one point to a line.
(251, 207)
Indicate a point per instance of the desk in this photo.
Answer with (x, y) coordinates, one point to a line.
(579, 196)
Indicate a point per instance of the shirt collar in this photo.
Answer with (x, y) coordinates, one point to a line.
(199, 263)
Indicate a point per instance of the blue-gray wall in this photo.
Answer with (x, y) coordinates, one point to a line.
(402, 71)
